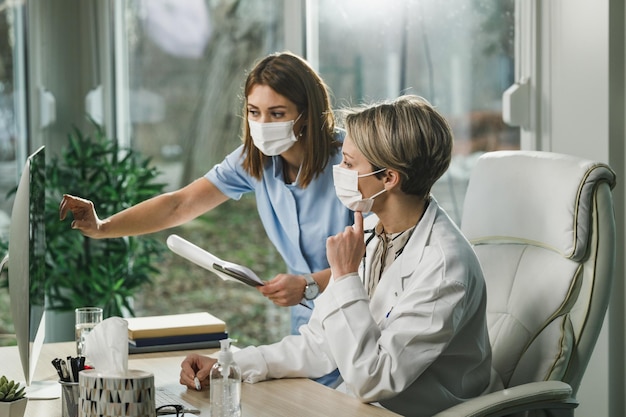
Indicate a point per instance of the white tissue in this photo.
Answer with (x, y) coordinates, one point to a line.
(106, 347)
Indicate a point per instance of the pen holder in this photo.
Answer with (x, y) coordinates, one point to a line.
(128, 395)
(69, 399)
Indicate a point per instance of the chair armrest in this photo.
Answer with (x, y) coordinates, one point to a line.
(535, 395)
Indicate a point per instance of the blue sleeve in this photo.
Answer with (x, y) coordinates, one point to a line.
(230, 177)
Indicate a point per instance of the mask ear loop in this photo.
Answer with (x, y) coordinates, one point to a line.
(374, 173)
(370, 173)
(296, 121)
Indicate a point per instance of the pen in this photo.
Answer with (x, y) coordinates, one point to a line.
(76, 367)
(57, 365)
(197, 382)
(69, 369)
(66, 374)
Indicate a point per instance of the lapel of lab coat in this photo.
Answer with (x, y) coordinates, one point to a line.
(393, 282)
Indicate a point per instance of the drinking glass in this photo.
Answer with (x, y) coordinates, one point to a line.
(86, 320)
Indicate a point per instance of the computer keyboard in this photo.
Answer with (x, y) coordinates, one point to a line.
(164, 396)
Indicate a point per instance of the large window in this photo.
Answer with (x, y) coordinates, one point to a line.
(187, 60)
(177, 80)
(458, 54)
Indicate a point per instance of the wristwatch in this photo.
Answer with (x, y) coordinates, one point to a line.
(312, 290)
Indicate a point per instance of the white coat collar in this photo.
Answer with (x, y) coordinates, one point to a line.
(392, 283)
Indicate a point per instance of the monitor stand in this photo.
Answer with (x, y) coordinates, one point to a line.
(43, 390)
(40, 390)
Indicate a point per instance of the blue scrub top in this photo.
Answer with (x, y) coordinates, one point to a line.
(297, 221)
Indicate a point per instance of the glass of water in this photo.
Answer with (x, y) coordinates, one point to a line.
(86, 320)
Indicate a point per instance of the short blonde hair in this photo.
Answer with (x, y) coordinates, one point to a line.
(406, 134)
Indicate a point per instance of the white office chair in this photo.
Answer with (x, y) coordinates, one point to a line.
(543, 227)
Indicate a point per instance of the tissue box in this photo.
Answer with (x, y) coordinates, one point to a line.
(128, 395)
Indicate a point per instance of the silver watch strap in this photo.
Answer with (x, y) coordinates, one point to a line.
(309, 279)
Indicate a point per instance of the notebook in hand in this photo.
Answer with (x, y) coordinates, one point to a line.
(228, 271)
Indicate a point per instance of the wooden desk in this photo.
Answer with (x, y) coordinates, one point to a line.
(276, 398)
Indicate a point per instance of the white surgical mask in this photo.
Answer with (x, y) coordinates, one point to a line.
(273, 138)
(347, 189)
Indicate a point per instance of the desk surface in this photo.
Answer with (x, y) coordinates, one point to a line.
(276, 398)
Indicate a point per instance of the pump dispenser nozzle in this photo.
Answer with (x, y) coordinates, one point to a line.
(225, 380)
(225, 344)
(225, 357)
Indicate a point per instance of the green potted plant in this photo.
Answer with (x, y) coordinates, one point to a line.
(81, 271)
(12, 398)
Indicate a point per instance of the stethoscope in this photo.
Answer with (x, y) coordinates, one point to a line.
(372, 233)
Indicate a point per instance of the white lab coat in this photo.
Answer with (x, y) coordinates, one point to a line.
(419, 346)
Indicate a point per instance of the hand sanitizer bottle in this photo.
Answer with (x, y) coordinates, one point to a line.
(225, 385)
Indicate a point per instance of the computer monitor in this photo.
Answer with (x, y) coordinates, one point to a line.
(26, 260)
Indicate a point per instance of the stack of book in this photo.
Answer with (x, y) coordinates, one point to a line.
(175, 332)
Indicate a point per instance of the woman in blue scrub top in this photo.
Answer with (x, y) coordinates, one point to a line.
(290, 145)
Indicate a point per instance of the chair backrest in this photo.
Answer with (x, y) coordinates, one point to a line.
(543, 227)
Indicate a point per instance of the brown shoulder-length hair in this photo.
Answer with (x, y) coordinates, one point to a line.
(293, 78)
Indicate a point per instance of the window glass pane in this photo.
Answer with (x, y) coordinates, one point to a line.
(8, 137)
(458, 54)
(187, 61)
(13, 146)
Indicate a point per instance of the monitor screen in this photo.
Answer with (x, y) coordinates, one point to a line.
(26, 262)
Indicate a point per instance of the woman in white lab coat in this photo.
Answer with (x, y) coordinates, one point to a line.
(403, 317)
